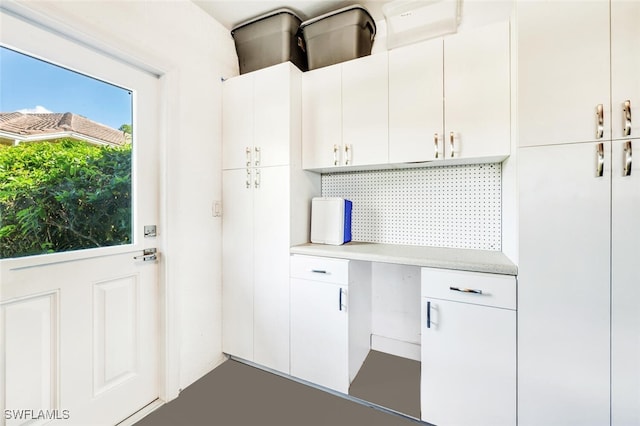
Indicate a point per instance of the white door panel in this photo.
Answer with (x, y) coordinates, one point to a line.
(92, 314)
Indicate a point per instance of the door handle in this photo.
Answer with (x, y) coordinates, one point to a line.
(466, 290)
(148, 255)
(451, 143)
(428, 314)
(340, 304)
(258, 156)
(600, 160)
(599, 121)
(247, 153)
(627, 159)
(627, 118)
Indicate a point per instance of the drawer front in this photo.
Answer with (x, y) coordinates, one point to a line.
(470, 287)
(324, 269)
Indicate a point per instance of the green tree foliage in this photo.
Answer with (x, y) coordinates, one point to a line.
(63, 195)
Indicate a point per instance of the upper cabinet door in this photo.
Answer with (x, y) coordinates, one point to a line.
(625, 69)
(563, 71)
(365, 110)
(272, 114)
(477, 92)
(237, 121)
(321, 117)
(415, 102)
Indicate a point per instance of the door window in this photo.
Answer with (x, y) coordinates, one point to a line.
(65, 159)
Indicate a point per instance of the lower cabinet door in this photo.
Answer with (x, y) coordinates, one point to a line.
(468, 364)
(319, 333)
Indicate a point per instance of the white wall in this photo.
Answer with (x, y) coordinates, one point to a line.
(192, 52)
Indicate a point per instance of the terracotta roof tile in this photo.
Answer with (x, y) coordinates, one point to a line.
(26, 125)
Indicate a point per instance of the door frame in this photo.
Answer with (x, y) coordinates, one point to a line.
(169, 350)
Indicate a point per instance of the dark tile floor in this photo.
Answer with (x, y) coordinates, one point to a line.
(238, 394)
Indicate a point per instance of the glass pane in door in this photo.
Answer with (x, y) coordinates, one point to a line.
(65, 159)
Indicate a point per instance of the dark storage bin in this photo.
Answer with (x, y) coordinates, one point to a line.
(338, 36)
(269, 40)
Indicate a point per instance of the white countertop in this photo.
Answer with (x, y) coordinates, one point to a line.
(435, 257)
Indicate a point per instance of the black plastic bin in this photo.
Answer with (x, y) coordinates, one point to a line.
(269, 39)
(338, 36)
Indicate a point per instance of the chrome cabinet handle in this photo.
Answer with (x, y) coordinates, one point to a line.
(335, 155)
(466, 290)
(318, 271)
(348, 151)
(451, 143)
(248, 182)
(428, 314)
(600, 160)
(256, 182)
(627, 118)
(627, 158)
(247, 153)
(257, 161)
(599, 121)
(340, 305)
(435, 145)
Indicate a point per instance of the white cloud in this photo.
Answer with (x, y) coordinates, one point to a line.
(39, 109)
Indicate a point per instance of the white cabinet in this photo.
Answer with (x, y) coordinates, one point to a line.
(477, 96)
(330, 319)
(265, 211)
(256, 123)
(468, 348)
(589, 45)
(416, 102)
(578, 232)
(365, 111)
(438, 109)
(345, 114)
(625, 291)
(625, 68)
(563, 286)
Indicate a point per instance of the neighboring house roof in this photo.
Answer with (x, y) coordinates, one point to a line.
(19, 127)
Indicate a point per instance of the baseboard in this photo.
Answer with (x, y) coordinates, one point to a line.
(396, 347)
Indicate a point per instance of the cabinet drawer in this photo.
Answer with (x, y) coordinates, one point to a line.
(470, 287)
(320, 269)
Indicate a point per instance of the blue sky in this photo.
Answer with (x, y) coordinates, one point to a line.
(27, 83)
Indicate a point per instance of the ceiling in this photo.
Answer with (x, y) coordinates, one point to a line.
(233, 12)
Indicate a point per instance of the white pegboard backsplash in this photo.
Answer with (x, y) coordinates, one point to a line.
(450, 206)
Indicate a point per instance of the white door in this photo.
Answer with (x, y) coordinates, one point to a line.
(237, 258)
(468, 360)
(563, 71)
(79, 329)
(271, 267)
(625, 292)
(563, 286)
(415, 102)
(365, 110)
(322, 117)
(237, 122)
(477, 107)
(319, 333)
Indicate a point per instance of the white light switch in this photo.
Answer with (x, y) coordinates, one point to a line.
(216, 209)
